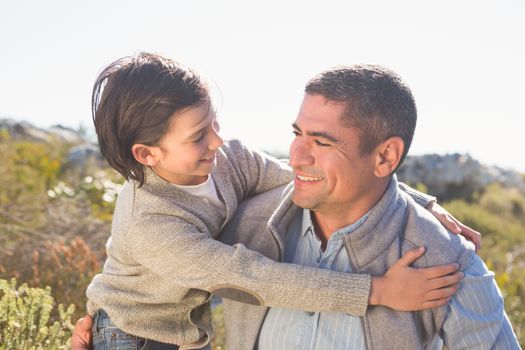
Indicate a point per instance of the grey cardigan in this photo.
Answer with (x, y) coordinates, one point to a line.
(163, 259)
(395, 225)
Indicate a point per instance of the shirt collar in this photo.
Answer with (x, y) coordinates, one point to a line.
(307, 225)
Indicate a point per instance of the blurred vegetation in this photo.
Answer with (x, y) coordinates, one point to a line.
(55, 219)
(499, 214)
(54, 222)
(25, 319)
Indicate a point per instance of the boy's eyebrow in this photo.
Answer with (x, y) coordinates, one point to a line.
(201, 129)
(320, 134)
(193, 134)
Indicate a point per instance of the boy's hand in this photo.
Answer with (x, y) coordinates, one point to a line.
(454, 225)
(82, 335)
(405, 288)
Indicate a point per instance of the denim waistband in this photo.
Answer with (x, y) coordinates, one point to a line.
(101, 319)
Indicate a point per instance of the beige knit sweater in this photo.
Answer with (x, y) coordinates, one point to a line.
(163, 261)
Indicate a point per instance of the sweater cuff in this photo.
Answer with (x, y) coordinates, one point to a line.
(355, 301)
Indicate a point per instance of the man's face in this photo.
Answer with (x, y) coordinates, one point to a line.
(331, 176)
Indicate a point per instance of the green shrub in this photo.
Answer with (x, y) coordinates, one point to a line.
(25, 322)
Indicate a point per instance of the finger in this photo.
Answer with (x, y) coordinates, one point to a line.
(446, 281)
(85, 323)
(438, 271)
(472, 235)
(80, 324)
(442, 292)
(445, 218)
(449, 222)
(410, 256)
(435, 303)
(81, 337)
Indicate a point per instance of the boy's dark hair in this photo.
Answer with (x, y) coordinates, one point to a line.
(378, 103)
(133, 101)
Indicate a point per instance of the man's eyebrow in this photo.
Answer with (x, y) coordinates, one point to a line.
(320, 134)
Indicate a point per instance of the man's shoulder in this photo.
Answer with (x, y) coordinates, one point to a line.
(442, 246)
(253, 215)
(266, 203)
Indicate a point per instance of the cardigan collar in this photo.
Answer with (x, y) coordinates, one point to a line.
(368, 241)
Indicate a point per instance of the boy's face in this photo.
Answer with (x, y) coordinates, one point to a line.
(187, 151)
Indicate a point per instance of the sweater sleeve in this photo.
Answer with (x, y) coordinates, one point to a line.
(253, 170)
(191, 258)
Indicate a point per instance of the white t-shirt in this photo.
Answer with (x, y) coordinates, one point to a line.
(208, 190)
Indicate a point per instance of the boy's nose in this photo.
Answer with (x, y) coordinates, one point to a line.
(216, 142)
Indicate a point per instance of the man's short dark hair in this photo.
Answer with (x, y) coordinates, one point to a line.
(378, 103)
(133, 101)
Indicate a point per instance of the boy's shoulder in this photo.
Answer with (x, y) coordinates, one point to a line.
(232, 147)
(155, 196)
(235, 148)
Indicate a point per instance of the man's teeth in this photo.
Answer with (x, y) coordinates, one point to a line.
(306, 178)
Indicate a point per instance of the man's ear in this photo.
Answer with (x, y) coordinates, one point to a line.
(147, 155)
(388, 156)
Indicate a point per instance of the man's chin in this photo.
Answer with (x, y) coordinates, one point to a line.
(303, 202)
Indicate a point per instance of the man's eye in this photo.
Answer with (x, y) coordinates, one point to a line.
(321, 144)
(296, 133)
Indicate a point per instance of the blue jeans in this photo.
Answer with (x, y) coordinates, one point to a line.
(106, 336)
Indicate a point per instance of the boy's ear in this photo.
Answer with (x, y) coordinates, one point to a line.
(146, 155)
(388, 156)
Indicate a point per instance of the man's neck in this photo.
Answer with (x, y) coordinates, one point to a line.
(327, 222)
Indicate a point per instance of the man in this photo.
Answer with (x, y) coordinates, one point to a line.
(353, 130)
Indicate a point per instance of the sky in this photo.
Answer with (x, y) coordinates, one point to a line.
(464, 61)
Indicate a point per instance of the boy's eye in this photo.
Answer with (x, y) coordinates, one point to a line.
(216, 126)
(199, 137)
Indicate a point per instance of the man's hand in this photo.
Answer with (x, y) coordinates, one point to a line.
(405, 288)
(454, 225)
(82, 335)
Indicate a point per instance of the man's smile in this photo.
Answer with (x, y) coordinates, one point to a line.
(308, 178)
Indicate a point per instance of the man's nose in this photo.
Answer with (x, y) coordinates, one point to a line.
(300, 154)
